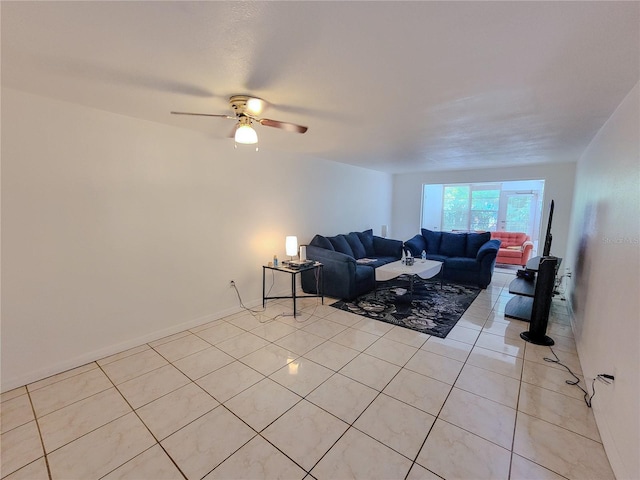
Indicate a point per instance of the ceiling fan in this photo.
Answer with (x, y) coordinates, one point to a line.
(247, 110)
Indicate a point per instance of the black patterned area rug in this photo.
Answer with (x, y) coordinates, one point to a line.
(432, 309)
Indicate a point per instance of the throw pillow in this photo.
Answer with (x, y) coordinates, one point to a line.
(322, 242)
(356, 245)
(475, 241)
(341, 245)
(453, 244)
(366, 238)
(433, 241)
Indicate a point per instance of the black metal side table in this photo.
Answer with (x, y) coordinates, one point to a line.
(317, 267)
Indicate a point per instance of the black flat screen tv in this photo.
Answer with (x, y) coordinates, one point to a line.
(546, 252)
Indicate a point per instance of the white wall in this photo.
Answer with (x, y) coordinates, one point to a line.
(604, 252)
(559, 179)
(117, 231)
(432, 203)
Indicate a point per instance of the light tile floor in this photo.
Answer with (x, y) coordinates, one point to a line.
(328, 395)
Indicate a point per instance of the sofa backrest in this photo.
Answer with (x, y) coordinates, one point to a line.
(341, 245)
(355, 244)
(510, 239)
(322, 242)
(450, 244)
(475, 241)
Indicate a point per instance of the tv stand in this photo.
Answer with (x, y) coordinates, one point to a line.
(520, 306)
(533, 298)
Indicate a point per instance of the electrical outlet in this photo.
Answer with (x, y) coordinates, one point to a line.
(232, 283)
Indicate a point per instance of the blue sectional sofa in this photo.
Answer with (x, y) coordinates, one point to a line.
(344, 276)
(467, 258)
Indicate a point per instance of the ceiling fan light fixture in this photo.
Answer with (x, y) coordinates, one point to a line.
(246, 110)
(246, 135)
(255, 105)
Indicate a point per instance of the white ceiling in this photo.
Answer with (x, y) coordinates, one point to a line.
(392, 86)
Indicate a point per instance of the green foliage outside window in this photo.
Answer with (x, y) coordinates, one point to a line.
(518, 213)
(484, 210)
(464, 209)
(455, 208)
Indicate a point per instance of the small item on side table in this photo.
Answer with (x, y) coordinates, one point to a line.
(526, 274)
(298, 264)
(275, 261)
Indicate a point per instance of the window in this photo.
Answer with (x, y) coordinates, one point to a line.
(467, 207)
(514, 206)
(455, 208)
(519, 210)
(484, 210)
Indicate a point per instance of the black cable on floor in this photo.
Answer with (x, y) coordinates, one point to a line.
(254, 313)
(576, 382)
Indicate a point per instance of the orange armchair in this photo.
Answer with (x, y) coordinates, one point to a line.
(515, 248)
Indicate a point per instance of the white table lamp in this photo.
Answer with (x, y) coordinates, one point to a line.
(291, 246)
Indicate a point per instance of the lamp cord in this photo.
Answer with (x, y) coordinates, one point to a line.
(587, 397)
(255, 313)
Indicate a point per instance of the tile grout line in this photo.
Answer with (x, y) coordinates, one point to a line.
(44, 451)
(349, 425)
(515, 426)
(302, 398)
(134, 411)
(518, 411)
(220, 404)
(515, 423)
(444, 402)
(256, 434)
(26, 386)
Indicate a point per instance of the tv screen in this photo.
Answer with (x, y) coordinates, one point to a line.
(548, 237)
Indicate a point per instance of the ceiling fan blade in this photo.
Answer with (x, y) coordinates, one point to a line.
(289, 127)
(203, 114)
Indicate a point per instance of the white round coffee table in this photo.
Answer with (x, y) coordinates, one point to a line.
(422, 268)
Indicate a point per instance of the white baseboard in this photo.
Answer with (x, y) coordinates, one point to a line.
(78, 361)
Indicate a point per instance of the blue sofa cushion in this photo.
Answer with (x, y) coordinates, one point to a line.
(433, 241)
(475, 241)
(453, 244)
(387, 247)
(382, 261)
(462, 263)
(356, 245)
(366, 238)
(341, 245)
(322, 242)
(416, 245)
(437, 258)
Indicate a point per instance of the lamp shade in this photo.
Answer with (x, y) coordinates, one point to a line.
(291, 245)
(245, 134)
